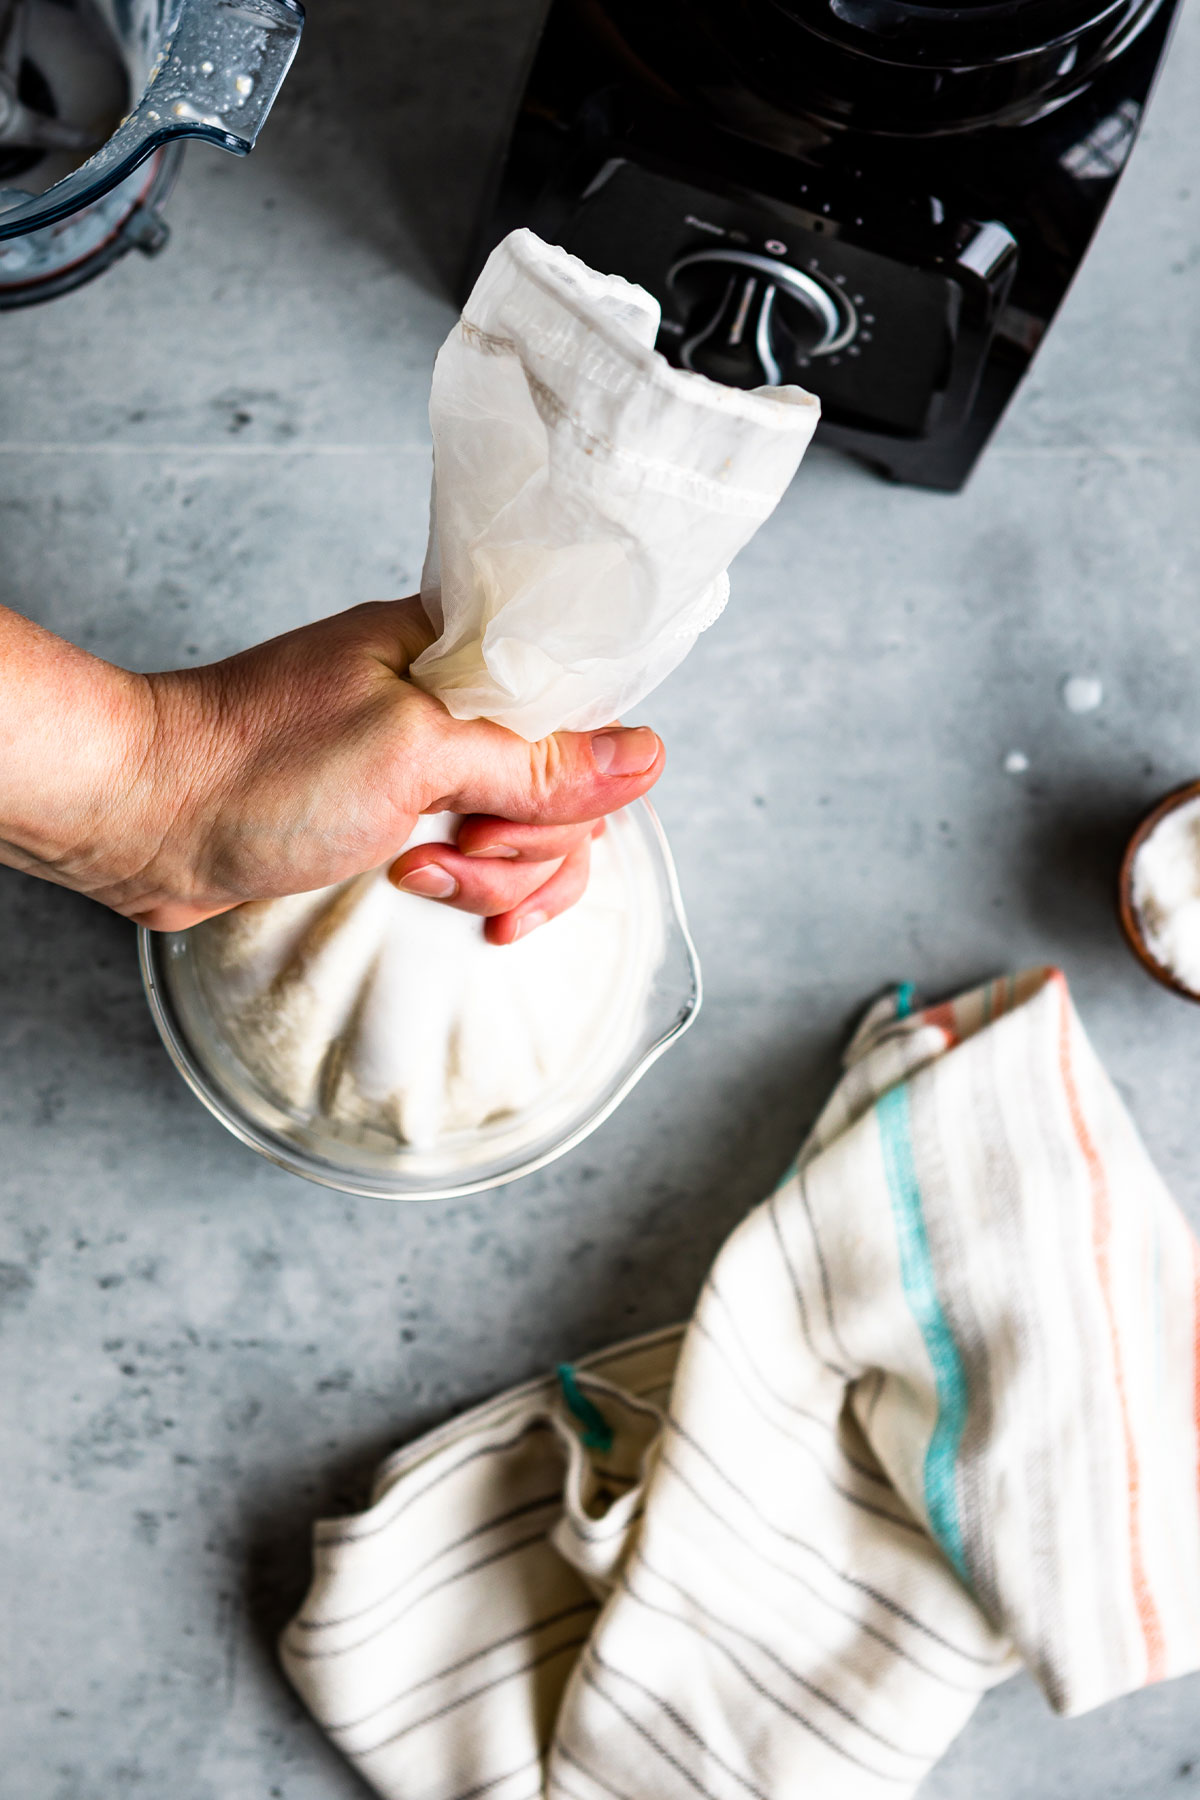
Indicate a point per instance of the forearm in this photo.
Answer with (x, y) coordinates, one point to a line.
(74, 731)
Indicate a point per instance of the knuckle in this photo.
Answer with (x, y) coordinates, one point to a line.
(546, 762)
(420, 745)
(557, 786)
(490, 891)
(484, 899)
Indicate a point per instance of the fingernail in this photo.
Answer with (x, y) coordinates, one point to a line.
(505, 850)
(529, 922)
(625, 752)
(431, 882)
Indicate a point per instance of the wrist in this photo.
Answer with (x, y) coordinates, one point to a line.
(74, 730)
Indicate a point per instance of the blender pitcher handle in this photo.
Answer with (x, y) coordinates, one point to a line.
(216, 76)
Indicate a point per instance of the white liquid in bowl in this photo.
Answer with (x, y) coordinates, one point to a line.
(375, 1041)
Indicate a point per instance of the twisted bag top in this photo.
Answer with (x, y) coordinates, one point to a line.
(936, 1412)
(587, 497)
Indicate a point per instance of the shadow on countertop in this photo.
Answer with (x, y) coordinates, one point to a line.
(1071, 859)
(400, 114)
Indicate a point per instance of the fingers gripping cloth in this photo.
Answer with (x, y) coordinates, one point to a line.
(935, 1416)
(588, 498)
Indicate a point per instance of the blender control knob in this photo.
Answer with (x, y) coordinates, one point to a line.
(750, 318)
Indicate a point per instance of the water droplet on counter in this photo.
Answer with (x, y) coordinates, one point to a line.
(1082, 693)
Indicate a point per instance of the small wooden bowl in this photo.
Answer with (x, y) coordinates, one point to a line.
(1126, 910)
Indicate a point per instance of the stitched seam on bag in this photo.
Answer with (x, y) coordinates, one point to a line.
(556, 340)
(749, 502)
(713, 612)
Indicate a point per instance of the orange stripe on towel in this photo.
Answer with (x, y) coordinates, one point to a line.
(1151, 1624)
(1196, 1350)
(946, 1020)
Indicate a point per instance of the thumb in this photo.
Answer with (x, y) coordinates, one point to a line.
(572, 776)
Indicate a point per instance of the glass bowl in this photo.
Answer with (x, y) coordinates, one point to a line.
(467, 1162)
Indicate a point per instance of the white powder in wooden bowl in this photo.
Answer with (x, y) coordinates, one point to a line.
(1166, 892)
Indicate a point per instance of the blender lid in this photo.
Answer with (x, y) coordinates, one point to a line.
(196, 68)
(952, 33)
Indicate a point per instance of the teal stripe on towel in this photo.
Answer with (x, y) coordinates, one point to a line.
(920, 1289)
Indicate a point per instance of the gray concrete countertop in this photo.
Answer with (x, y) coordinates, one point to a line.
(201, 1353)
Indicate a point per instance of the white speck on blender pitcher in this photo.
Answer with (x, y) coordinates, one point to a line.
(183, 109)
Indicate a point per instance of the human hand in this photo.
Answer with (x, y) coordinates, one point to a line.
(296, 764)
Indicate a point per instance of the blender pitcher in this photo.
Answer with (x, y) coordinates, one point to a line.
(95, 96)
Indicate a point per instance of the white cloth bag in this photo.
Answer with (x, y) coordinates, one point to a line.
(588, 497)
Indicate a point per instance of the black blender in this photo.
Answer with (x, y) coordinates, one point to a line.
(880, 200)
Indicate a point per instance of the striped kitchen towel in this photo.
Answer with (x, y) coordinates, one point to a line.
(936, 1414)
